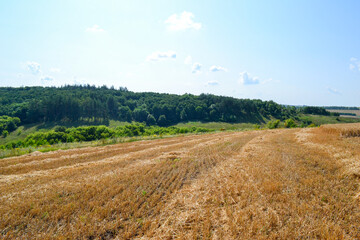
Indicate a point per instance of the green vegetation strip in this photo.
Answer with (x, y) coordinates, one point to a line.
(61, 134)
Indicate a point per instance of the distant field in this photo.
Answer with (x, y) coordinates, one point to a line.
(264, 184)
(218, 125)
(320, 120)
(357, 112)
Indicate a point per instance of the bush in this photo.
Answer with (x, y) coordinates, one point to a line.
(5, 133)
(60, 129)
(290, 123)
(8, 124)
(62, 134)
(273, 124)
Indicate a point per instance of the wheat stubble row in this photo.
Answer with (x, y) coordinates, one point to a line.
(113, 194)
(275, 188)
(273, 184)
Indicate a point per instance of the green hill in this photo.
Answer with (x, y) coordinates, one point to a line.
(101, 104)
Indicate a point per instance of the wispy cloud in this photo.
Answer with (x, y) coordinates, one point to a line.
(182, 21)
(334, 91)
(217, 69)
(213, 83)
(55, 70)
(354, 64)
(188, 60)
(196, 68)
(33, 67)
(79, 81)
(158, 56)
(246, 79)
(95, 29)
(47, 78)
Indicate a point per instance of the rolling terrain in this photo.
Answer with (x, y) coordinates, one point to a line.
(347, 113)
(265, 184)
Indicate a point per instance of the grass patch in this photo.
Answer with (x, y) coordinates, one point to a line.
(20, 133)
(320, 120)
(218, 125)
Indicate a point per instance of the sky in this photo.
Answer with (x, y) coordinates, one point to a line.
(292, 52)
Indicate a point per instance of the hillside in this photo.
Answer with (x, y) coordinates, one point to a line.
(50, 118)
(285, 184)
(350, 113)
(90, 104)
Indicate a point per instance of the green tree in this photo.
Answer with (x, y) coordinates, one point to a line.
(140, 114)
(125, 114)
(162, 120)
(150, 120)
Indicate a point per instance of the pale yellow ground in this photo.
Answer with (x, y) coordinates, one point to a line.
(268, 184)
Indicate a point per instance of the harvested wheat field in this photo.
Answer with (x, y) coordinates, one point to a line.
(268, 184)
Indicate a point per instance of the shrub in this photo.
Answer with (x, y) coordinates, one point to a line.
(273, 124)
(78, 134)
(60, 129)
(5, 133)
(290, 123)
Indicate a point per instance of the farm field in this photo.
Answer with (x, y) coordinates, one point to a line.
(265, 184)
(357, 112)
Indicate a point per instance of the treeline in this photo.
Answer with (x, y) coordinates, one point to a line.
(315, 110)
(62, 134)
(347, 114)
(100, 104)
(8, 124)
(342, 108)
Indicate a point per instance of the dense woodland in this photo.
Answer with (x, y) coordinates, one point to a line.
(100, 104)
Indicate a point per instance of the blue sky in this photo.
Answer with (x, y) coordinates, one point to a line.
(292, 52)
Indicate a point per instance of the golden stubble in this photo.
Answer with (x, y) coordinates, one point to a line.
(268, 184)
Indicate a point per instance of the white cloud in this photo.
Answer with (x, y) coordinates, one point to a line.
(47, 78)
(213, 83)
(188, 60)
(217, 69)
(334, 91)
(55, 70)
(33, 67)
(79, 81)
(246, 79)
(196, 68)
(355, 64)
(157, 56)
(95, 29)
(268, 80)
(182, 21)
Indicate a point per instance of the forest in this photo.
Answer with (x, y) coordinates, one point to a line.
(93, 104)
